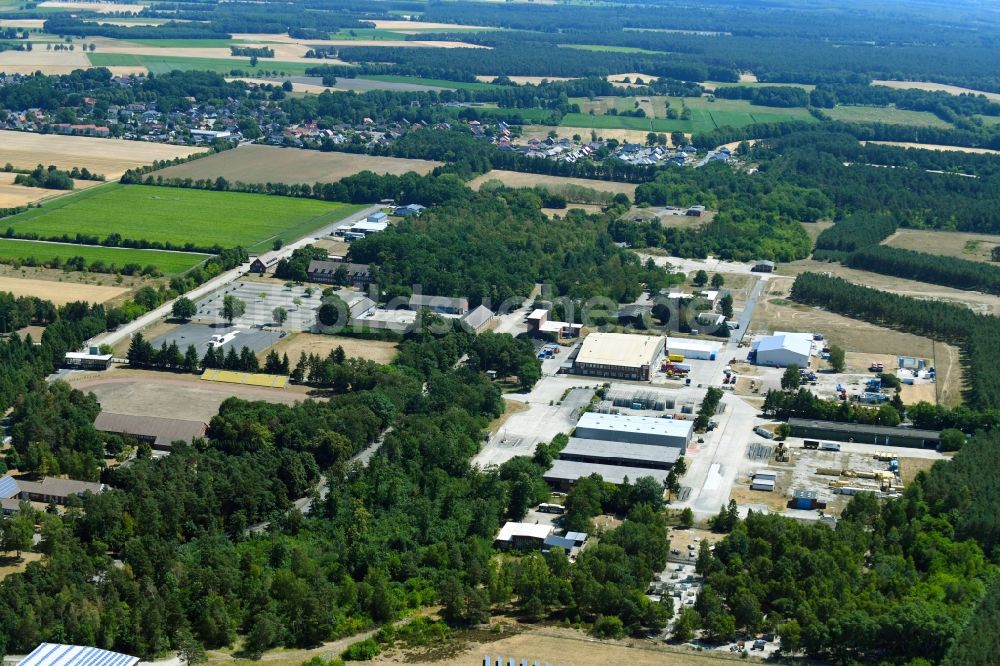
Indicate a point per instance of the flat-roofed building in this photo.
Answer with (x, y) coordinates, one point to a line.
(865, 434)
(439, 304)
(87, 361)
(159, 432)
(564, 474)
(523, 535)
(635, 429)
(626, 454)
(539, 323)
(691, 348)
(619, 355)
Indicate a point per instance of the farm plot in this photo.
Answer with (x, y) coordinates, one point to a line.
(518, 179)
(379, 351)
(110, 157)
(163, 64)
(180, 217)
(12, 195)
(259, 164)
(41, 252)
(885, 114)
(975, 247)
(60, 293)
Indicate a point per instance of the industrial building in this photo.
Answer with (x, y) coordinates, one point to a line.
(804, 499)
(690, 348)
(439, 304)
(565, 473)
(625, 454)
(782, 350)
(92, 360)
(159, 432)
(55, 654)
(635, 429)
(522, 535)
(620, 356)
(865, 434)
(478, 320)
(538, 322)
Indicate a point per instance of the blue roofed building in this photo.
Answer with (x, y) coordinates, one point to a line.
(57, 654)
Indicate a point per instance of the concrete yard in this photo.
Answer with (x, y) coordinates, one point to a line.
(200, 334)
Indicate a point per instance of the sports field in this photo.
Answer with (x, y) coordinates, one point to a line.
(885, 114)
(168, 262)
(109, 157)
(180, 216)
(260, 164)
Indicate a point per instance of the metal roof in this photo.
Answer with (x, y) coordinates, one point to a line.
(478, 317)
(889, 431)
(797, 343)
(567, 470)
(525, 530)
(681, 344)
(636, 424)
(599, 448)
(162, 430)
(57, 654)
(8, 487)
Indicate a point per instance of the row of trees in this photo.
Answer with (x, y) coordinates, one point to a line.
(924, 267)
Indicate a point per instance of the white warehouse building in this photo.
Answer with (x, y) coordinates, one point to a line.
(691, 348)
(783, 349)
(634, 429)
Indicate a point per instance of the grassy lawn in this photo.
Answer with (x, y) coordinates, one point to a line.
(180, 216)
(440, 83)
(884, 114)
(605, 122)
(368, 34)
(608, 49)
(169, 263)
(166, 64)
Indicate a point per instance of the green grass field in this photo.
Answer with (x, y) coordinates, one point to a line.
(368, 34)
(885, 114)
(180, 216)
(440, 83)
(187, 43)
(169, 263)
(759, 84)
(166, 64)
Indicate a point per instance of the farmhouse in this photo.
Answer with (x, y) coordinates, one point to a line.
(90, 360)
(635, 429)
(439, 304)
(54, 654)
(478, 320)
(159, 432)
(782, 350)
(623, 454)
(48, 490)
(865, 434)
(538, 322)
(619, 355)
(565, 473)
(522, 535)
(340, 273)
(264, 262)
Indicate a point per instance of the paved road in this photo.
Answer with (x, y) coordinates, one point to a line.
(114, 337)
(747, 313)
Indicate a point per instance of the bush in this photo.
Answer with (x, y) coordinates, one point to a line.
(608, 627)
(365, 650)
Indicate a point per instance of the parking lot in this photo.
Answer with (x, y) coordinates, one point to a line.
(199, 335)
(262, 297)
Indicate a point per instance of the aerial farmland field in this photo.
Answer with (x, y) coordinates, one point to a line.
(884, 114)
(162, 64)
(169, 263)
(179, 216)
(261, 164)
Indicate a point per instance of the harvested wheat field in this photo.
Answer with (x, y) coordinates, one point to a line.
(258, 164)
(60, 293)
(98, 7)
(935, 146)
(294, 345)
(412, 27)
(285, 39)
(282, 52)
(297, 87)
(47, 62)
(22, 23)
(110, 157)
(961, 244)
(620, 135)
(942, 87)
(518, 179)
(12, 195)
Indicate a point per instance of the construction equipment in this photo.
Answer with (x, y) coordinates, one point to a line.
(781, 453)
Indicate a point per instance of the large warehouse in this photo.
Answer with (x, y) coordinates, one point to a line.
(619, 355)
(634, 429)
(865, 434)
(565, 473)
(783, 349)
(691, 348)
(626, 454)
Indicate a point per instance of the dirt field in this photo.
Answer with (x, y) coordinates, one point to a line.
(975, 247)
(814, 229)
(9, 566)
(561, 212)
(379, 351)
(12, 195)
(255, 164)
(60, 293)
(983, 303)
(910, 467)
(164, 394)
(109, 157)
(517, 179)
(934, 146)
(775, 312)
(924, 85)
